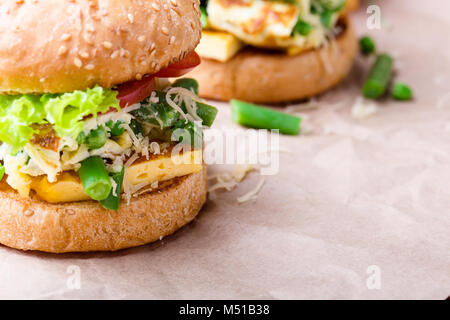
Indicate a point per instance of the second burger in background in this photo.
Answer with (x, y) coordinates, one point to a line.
(274, 51)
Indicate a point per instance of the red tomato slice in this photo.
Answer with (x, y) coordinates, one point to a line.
(135, 91)
(181, 67)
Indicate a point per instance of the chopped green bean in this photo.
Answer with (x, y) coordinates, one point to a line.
(159, 114)
(326, 17)
(379, 77)
(187, 83)
(112, 201)
(95, 178)
(137, 128)
(81, 139)
(302, 28)
(116, 128)
(332, 5)
(207, 113)
(96, 138)
(189, 130)
(204, 18)
(2, 171)
(402, 91)
(254, 116)
(367, 45)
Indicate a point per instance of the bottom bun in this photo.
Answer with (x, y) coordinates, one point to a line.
(271, 77)
(31, 224)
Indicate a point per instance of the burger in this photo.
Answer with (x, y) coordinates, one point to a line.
(273, 51)
(99, 151)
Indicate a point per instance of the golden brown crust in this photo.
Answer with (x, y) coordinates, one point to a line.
(31, 224)
(351, 5)
(60, 46)
(266, 77)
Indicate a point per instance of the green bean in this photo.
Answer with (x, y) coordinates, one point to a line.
(95, 178)
(112, 201)
(116, 128)
(81, 138)
(326, 17)
(379, 77)
(137, 128)
(302, 28)
(96, 138)
(187, 83)
(204, 18)
(189, 130)
(2, 171)
(254, 116)
(332, 5)
(160, 113)
(207, 113)
(367, 45)
(402, 91)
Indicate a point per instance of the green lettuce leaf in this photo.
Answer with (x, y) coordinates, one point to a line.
(18, 113)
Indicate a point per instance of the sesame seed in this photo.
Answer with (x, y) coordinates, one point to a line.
(65, 37)
(28, 212)
(89, 67)
(115, 54)
(88, 39)
(139, 76)
(124, 53)
(141, 38)
(174, 3)
(165, 31)
(107, 44)
(156, 6)
(83, 54)
(90, 28)
(62, 50)
(172, 39)
(78, 62)
(176, 10)
(131, 17)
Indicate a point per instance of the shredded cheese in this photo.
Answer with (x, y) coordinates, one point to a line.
(362, 108)
(186, 96)
(252, 194)
(443, 101)
(131, 160)
(114, 186)
(227, 180)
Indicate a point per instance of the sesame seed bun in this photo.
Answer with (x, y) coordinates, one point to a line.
(351, 5)
(60, 46)
(264, 76)
(32, 224)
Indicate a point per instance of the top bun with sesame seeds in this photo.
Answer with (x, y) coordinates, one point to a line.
(51, 46)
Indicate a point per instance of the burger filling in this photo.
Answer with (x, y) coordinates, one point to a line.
(292, 26)
(103, 144)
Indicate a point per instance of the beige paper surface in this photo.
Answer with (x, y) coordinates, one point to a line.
(352, 198)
